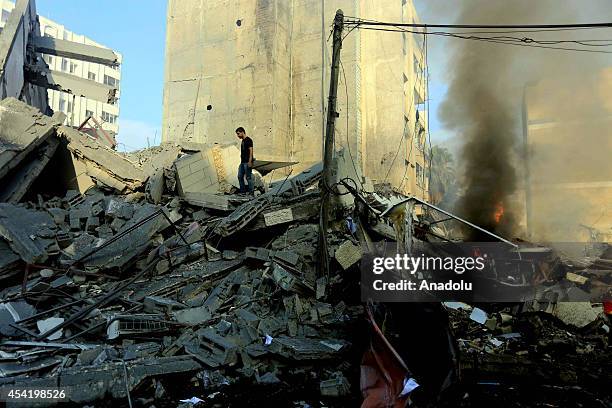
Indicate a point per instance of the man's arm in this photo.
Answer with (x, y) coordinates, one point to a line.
(251, 156)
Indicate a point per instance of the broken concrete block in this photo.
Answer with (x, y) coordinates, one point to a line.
(10, 312)
(136, 324)
(307, 348)
(133, 241)
(8, 258)
(267, 378)
(207, 200)
(58, 214)
(96, 382)
(335, 387)
(348, 254)
(155, 186)
(572, 277)
(286, 279)
(278, 217)
(117, 224)
(577, 314)
(17, 183)
(153, 304)
(49, 323)
(211, 169)
(102, 163)
(26, 231)
(242, 216)
(194, 315)
(92, 223)
(23, 129)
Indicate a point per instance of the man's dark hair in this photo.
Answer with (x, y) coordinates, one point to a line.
(240, 129)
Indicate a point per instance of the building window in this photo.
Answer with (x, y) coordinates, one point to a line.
(91, 76)
(69, 109)
(49, 59)
(65, 35)
(64, 64)
(107, 117)
(89, 113)
(73, 67)
(109, 80)
(5, 15)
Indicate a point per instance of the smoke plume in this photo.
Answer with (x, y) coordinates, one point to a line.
(484, 99)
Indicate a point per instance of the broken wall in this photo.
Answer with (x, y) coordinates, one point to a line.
(22, 23)
(265, 65)
(227, 65)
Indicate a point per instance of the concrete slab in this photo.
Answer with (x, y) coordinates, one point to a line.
(206, 200)
(348, 254)
(22, 129)
(102, 163)
(74, 50)
(28, 232)
(23, 176)
(74, 85)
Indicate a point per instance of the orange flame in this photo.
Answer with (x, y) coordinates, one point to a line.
(499, 212)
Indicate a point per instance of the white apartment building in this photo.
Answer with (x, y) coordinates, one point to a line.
(77, 108)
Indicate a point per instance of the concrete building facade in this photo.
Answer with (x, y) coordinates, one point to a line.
(568, 141)
(265, 65)
(77, 108)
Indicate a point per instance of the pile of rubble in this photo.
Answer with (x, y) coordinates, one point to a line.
(558, 355)
(148, 270)
(142, 280)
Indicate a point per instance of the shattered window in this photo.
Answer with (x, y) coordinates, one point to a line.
(91, 76)
(108, 117)
(64, 64)
(73, 67)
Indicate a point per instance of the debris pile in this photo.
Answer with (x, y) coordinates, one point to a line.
(557, 355)
(144, 279)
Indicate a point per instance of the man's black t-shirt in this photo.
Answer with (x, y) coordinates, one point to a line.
(244, 149)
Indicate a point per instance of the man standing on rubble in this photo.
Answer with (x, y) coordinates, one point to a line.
(246, 161)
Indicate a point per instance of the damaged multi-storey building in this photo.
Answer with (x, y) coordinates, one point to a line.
(265, 65)
(143, 279)
(71, 74)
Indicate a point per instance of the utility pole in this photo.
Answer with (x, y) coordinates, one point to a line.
(327, 179)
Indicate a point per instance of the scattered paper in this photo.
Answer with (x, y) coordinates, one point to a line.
(478, 315)
(268, 340)
(457, 305)
(192, 400)
(409, 385)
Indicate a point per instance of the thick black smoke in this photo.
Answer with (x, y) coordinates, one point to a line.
(484, 99)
